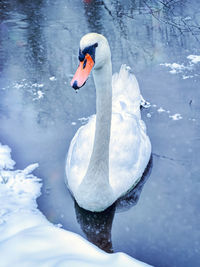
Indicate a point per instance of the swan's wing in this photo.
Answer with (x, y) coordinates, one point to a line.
(126, 92)
(130, 151)
(79, 154)
(130, 147)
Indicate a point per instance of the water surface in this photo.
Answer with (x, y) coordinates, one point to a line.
(158, 222)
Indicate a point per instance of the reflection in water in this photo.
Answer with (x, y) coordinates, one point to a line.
(162, 24)
(94, 15)
(97, 225)
(131, 198)
(36, 50)
(3, 35)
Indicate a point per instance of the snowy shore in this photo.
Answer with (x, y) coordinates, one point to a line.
(27, 238)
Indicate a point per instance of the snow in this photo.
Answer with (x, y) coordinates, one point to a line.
(5, 160)
(160, 110)
(40, 94)
(187, 18)
(84, 120)
(18, 86)
(148, 115)
(26, 237)
(176, 117)
(189, 67)
(144, 103)
(194, 58)
(39, 85)
(187, 77)
(53, 78)
(175, 67)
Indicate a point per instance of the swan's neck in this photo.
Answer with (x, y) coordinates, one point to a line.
(99, 163)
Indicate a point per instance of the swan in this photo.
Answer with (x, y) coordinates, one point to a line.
(108, 155)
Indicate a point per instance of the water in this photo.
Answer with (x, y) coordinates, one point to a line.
(39, 113)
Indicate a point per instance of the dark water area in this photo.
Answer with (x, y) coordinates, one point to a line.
(158, 222)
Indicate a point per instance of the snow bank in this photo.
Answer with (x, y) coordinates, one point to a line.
(28, 239)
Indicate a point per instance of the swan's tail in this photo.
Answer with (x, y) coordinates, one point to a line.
(126, 92)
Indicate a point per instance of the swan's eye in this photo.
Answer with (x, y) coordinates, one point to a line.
(84, 63)
(88, 50)
(81, 56)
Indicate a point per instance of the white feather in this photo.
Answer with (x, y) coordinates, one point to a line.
(129, 148)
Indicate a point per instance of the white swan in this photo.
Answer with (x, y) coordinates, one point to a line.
(108, 155)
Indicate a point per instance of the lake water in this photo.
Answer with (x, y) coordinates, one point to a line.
(158, 222)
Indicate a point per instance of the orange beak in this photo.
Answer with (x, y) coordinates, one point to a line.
(82, 72)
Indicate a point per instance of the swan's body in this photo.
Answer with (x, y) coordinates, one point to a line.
(109, 154)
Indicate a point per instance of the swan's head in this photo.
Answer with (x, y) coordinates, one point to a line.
(94, 53)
